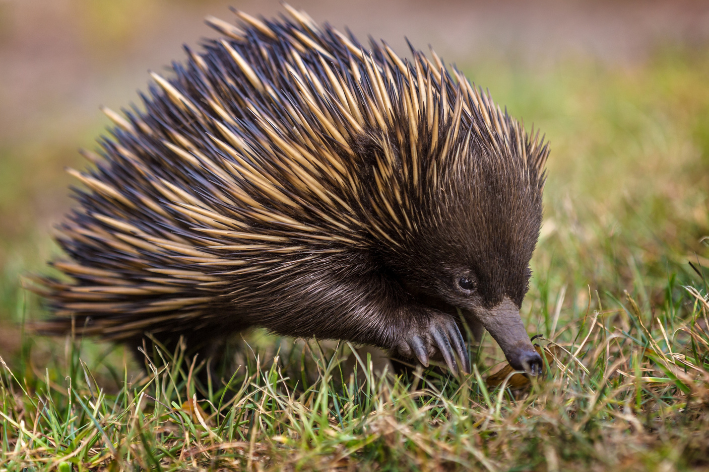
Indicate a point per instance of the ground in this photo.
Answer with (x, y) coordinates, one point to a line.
(620, 90)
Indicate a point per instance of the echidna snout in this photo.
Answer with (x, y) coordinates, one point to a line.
(290, 178)
(504, 324)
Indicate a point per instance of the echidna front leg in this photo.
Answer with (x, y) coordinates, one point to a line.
(437, 335)
(330, 300)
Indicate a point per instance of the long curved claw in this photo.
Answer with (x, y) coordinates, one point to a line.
(459, 345)
(444, 347)
(419, 349)
(438, 336)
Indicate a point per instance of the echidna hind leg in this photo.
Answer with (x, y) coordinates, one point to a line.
(205, 348)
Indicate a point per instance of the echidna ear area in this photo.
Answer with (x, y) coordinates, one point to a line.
(245, 165)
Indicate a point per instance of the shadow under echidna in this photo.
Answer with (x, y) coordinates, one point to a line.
(290, 178)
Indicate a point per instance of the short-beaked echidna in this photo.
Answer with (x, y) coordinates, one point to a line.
(288, 177)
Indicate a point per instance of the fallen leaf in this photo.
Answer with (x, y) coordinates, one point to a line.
(517, 381)
(190, 406)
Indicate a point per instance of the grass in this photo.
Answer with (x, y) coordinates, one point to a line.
(624, 321)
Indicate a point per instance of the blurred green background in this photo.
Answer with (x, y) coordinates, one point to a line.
(621, 90)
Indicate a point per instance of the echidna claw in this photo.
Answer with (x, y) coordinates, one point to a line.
(445, 348)
(459, 344)
(439, 338)
(419, 349)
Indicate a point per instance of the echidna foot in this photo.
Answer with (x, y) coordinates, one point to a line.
(440, 336)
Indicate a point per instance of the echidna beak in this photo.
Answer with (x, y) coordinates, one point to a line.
(505, 325)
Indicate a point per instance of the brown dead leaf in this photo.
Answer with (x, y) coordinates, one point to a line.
(190, 406)
(517, 381)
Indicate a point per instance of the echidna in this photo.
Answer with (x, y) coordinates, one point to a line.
(290, 178)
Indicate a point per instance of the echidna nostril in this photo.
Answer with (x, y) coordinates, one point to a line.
(531, 362)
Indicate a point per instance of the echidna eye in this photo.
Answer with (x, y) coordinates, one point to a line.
(465, 283)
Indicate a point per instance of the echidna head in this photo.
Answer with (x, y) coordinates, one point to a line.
(473, 251)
